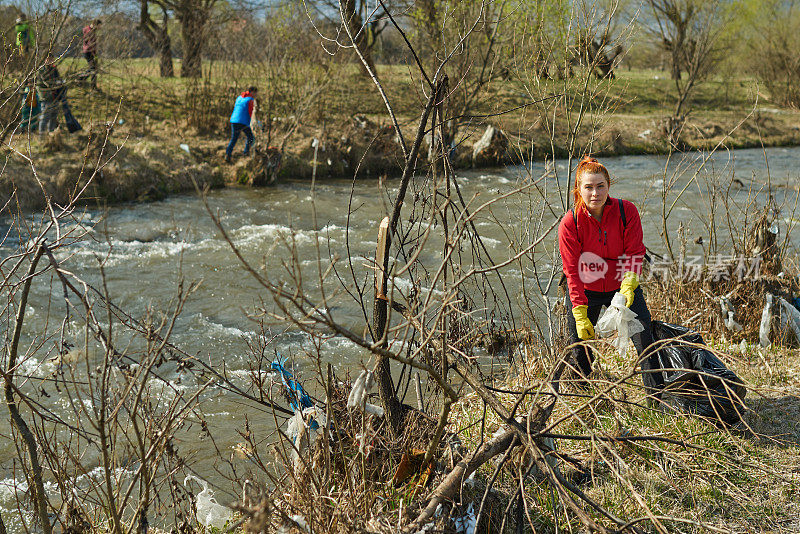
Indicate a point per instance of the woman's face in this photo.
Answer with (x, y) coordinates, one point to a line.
(594, 192)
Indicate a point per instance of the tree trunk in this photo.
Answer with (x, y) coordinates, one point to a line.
(165, 56)
(193, 29)
(164, 46)
(158, 37)
(354, 22)
(383, 373)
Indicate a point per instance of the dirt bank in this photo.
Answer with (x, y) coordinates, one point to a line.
(99, 167)
(121, 165)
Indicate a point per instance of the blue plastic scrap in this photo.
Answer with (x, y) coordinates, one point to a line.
(796, 302)
(295, 394)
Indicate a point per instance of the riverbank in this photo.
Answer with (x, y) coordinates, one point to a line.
(168, 131)
(150, 167)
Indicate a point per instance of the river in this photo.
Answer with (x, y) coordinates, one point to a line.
(148, 248)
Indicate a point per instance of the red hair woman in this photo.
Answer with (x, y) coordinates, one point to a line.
(600, 240)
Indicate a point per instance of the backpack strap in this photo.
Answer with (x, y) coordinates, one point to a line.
(647, 257)
(575, 220)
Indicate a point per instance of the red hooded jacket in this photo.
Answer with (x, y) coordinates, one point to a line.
(596, 255)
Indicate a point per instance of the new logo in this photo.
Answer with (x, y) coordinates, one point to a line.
(591, 267)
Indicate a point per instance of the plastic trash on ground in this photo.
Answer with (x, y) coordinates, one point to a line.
(766, 322)
(727, 314)
(620, 319)
(695, 380)
(467, 524)
(209, 512)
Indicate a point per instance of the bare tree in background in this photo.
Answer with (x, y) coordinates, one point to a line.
(692, 33)
(360, 19)
(157, 34)
(771, 46)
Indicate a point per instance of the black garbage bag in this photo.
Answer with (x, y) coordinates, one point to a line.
(695, 380)
(70, 121)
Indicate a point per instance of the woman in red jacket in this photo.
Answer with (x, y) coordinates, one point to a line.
(600, 240)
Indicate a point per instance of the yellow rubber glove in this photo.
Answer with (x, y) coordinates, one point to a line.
(629, 284)
(582, 322)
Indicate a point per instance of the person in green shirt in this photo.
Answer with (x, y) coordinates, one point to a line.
(25, 38)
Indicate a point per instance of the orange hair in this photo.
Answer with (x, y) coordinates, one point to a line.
(592, 166)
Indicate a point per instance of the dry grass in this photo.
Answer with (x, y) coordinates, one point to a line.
(669, 471)
(637, 101)
(741, 479)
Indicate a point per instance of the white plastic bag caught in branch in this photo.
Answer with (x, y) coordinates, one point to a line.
(358, 392)
(727, 314)
(791, 317)
(620, 319)
(766, 321)
(209, 512)
(358, 395)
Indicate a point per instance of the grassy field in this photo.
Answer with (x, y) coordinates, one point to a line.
(632, 99)
(300, 102)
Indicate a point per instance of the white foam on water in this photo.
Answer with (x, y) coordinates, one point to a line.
(97, 474)
(10, 488)
(330, 228)
(251, 232)
(167, 390)
(405, 285)
(339, 344)
(219, 330)
(37, 368)
(123, 251)
(247, 373)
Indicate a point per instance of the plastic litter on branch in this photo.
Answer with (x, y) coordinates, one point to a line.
(790, 317)
(358, 395)
(310, 421)
(766, 321)
(306, 425)
(727, 314)
(209, 512)
(620, 319)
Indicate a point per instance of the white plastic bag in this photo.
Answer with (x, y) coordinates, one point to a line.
(620, 319)
(209, 512)
(727, 314)
(358, 395)
(790, 317)
(766, 322)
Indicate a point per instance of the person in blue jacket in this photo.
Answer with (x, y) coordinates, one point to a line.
(241, 117)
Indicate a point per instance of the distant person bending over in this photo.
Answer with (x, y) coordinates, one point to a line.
(53, 95)
(90, 49)
(50, 84)
(600, 240)
(25, 38)
(243, 110)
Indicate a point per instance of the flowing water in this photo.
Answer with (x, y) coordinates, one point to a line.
(146, 249)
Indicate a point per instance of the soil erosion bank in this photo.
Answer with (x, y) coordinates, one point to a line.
(125, 164)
